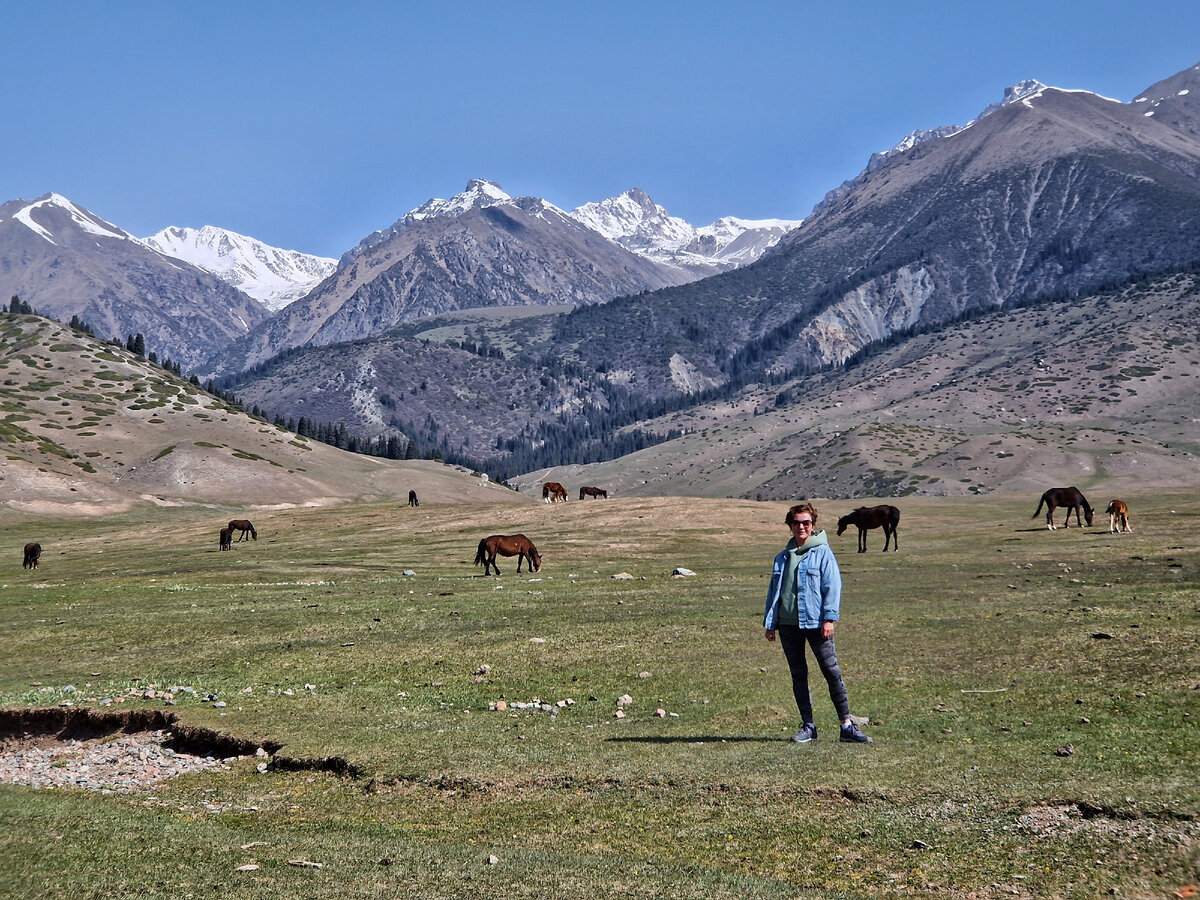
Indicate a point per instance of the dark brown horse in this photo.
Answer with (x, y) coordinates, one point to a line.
(868, 517)
(594, 492)
(225, 541)
(507, 545)
(33, 552)
(552, 492)
(412, 499)
(244, 526)
(1070, 497)
(1118, 517)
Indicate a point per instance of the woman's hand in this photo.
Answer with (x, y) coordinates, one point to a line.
(827, 630)
(769, 634)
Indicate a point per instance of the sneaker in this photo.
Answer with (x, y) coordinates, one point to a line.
(851, 734)
(807, 732)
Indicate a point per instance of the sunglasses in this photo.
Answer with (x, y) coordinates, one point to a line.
(807, 522)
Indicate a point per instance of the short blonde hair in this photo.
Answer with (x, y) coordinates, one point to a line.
(796, 510)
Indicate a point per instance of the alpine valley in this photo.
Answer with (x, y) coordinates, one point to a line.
(998, 305)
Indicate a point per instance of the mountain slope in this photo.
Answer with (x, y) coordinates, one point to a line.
(64, 260)
(1098, 392)
(1060, 191)
(89, 429)
(272, 276)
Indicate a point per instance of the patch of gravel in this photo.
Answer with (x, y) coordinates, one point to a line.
(120, 763)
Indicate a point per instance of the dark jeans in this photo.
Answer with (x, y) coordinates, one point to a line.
(793, 640)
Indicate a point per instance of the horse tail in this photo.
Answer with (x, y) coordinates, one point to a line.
(481, 555)
(894, 516)
(1038, 511)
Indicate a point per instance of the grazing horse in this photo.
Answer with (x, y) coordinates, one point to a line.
(507, 545)
(594, 492)
(243, 525)
(1118, 517)
(1070, 497)
(225, 541)
(552, 492)
(412, 499)
(866, 518)
(33, 552)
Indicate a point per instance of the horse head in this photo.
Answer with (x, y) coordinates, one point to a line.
(843, 523)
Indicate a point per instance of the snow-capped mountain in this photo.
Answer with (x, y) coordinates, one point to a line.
(479, 193)
(481, 248)
(1021, 91)
(270, 275)
(639, 224)
(64, 260)
(60, 222)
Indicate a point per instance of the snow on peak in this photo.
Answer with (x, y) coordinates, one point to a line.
(49, 206)
(270, 275)
(636, 222)
(639, 224)
(479, 193)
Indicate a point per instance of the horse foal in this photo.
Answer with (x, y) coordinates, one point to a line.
(1118, 518)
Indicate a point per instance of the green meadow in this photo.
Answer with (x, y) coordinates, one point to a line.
(977, 651)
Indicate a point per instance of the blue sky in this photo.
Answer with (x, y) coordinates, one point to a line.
(309, 125)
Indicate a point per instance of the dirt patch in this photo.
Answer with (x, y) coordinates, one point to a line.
(126, 751)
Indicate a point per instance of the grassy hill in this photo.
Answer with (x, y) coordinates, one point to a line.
(1103, 392)
(88, 428)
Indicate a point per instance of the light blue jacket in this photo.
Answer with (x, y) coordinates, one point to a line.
(818, 585)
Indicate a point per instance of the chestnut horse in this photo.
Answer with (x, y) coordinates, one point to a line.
(552, 492)
(507, 545)
(1070, 497)
(1118, 517)
(225, 540)
(866, 518)
(412, 499)
(243, 525)
(593, 492)
(33, 552)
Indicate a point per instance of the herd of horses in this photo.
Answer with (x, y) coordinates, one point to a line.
(865, 518)
(553, 492)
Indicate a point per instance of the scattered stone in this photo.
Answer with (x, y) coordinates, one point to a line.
(623, 576)
(249, 867)
(484, 669)
(660, 713)
(619, 714)
(408, 573)
(1065, 750)
(493, 859)
(261, 753)
(1084, 720)
(919, 845)
(1102, 636)
(682, 573)
(624, 700)
(501, 705)
(305, 864)
(643, 675)
(537, 640)
(253, 844)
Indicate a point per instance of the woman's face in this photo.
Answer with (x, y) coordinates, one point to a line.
(801, 527)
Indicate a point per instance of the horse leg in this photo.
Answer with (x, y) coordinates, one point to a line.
(887, 537)
(520, 559)
(862, 540)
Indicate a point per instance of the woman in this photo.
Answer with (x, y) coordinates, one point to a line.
(803, 603)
